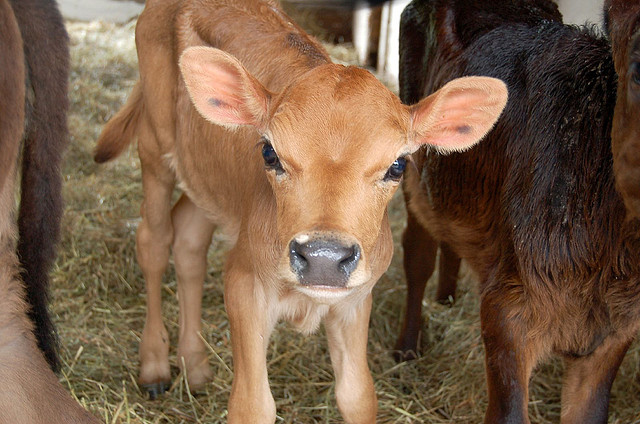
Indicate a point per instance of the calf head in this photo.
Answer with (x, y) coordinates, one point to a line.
(623, 24)
(335, 143)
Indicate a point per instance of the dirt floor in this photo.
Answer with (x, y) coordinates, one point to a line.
(98, 300)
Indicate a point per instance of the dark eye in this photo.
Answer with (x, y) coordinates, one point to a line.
(395, 171)
(270, 157)
(635, 72)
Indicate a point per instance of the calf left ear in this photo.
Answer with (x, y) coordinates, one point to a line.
(458, 115)
(222, 90)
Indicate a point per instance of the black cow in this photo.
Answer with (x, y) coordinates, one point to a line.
(533, 208)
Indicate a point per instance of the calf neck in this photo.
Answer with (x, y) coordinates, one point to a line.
(295, 159)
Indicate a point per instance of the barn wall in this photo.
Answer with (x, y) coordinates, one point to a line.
(579, 11)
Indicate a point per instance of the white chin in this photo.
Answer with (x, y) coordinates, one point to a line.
(324, 294)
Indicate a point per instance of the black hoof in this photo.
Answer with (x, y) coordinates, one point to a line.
(446, 301)
(155, 389)
(404, 355)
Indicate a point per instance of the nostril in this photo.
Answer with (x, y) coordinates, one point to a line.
(348, 264)
(296, 258)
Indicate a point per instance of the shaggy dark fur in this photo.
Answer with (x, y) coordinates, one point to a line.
(31, 392)
(533, 208)
(46, 136)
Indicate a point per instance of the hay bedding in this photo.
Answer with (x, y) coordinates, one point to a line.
(98, 300)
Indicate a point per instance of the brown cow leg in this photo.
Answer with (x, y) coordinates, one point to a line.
(448, 267)
(347, 336)
(509, 360)
(420, 251)
(587, 383)
(192, 237)
(154, 237)
(252, 321)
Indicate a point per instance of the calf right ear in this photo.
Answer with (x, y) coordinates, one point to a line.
(222, 90)
(458, 115)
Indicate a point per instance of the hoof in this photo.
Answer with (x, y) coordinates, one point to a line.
(155, 389)
(404, 355)
(195, 367)
(446, 301)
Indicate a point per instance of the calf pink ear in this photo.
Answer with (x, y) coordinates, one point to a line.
(222, 90)
(458, 115)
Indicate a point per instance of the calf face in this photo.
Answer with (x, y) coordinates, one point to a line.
(623, 24)
(335, 145)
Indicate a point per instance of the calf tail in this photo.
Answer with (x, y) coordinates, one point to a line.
(413, 48)
(429, 48)
(120, 131)
(46, 137)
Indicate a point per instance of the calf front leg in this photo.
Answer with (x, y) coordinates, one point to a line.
(251, 323)
(192, 237)
(347, 333)
(588, 380)
(448, 267)
(154, 237)
(509, 357)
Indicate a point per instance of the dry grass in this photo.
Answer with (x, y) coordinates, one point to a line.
(98, 301)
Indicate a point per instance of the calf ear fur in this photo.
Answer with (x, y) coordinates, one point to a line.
(458, 115)
(222, 90)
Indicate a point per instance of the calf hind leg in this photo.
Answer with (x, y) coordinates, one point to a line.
(419, 262)
(192, 237)
(154, 237)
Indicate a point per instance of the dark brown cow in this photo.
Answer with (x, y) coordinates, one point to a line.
(45, 138)
(623, 25)
(533, 208)
(295, 158)
(31, 393)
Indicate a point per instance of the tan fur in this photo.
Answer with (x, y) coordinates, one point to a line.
(623, 17)
(336, 131)
(31, 393)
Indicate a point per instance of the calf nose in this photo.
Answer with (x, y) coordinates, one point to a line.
(323, 262)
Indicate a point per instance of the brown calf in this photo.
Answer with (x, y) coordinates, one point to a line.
(623, 24)
(295, 159)
(533, 208)
(31, 393)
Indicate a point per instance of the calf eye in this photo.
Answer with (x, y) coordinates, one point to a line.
(395, 171)
(270, 157)
(635, 72)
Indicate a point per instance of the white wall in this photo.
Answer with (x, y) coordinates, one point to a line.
(361, 29)
(579, 11)
(388, 47)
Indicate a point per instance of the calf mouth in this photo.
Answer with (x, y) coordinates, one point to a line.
(324, 294)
